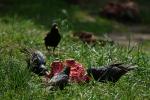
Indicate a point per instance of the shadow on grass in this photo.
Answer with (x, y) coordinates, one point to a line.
(45, 12)
(40, 11)
(99, 28)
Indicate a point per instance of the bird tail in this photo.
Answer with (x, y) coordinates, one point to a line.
(124, 66)
(128, 67)
(116, 64)
(26, 50)
(132, 67)
(28, 53)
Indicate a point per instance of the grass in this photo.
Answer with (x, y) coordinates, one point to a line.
(27, 26)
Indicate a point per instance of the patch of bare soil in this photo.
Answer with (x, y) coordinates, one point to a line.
(139, 29)
(136, 35)
(133, 39)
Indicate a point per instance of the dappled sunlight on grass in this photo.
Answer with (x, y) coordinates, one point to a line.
(25, 24)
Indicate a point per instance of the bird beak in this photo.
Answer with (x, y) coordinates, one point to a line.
(47, 74)
(90, 77)
(42, 66)
(56, 27)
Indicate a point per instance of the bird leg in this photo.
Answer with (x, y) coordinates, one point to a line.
(49, 50)
(53, 49)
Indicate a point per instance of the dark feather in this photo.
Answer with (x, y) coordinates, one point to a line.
(53, 38)
(60, 80)
(110, 73)
(36, 61)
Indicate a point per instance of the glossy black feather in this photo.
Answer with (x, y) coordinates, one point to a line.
(53, 37)
(60, 80)
(36, 61)
(110, 73)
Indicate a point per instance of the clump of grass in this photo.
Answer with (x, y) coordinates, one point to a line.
(17, 82)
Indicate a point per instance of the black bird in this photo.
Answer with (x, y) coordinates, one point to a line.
(53, 37)
(110, 73)
(60, 80)
(36, 61)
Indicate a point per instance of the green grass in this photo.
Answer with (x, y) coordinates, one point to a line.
(26, 25)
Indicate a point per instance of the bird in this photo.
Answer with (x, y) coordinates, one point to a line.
(111, 73)
(90, 38)
(36, 61)
(53, 37)
(85, 37)
(60, 80)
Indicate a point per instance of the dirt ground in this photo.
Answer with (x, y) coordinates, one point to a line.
(135, 36)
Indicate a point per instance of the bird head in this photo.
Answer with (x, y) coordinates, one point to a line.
(42, 70)
(66, 70)
(54, 26)
(90, 71)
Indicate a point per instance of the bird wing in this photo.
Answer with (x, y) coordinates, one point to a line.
(58, 79)
(116, 64)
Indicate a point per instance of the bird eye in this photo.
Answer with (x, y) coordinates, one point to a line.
(36, 61)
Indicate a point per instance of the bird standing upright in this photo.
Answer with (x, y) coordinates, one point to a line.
(36, 61)
(110, 73)
(53, 37)
(61, 79)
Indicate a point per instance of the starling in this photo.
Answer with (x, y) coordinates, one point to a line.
(61, 79)
(110, 73)
(90, 38)
(53, 37)
(36, 61)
